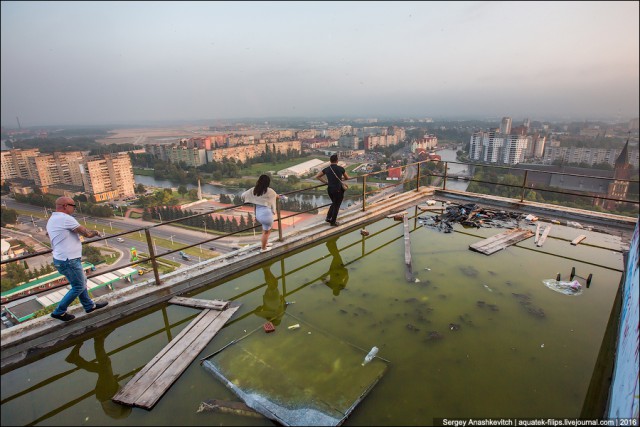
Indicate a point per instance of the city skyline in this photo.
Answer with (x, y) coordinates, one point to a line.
(102, 63)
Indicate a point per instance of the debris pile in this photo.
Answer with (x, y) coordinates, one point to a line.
(472, 215)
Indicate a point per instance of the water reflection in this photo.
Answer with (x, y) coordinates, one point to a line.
(496, 339)
(273, 304)
(107, 384)
(338, 275)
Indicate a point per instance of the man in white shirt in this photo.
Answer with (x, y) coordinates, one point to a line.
(64, 232)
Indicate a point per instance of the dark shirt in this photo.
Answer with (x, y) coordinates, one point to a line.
(333, 180)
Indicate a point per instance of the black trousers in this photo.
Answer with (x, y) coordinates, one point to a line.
(336, 197)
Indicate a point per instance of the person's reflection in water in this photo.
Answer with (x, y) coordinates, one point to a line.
(107, 385)
(338, 275)
(273, 304)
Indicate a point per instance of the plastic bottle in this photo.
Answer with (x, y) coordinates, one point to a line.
(369, 357)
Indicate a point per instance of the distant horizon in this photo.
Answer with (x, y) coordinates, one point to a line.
(303, 119)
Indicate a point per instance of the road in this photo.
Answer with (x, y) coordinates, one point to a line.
(106, 226)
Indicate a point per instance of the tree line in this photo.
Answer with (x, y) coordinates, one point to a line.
(212, 222)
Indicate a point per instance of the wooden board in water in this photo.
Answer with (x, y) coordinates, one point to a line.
(500, 241)
(151, 382)
(200, 303)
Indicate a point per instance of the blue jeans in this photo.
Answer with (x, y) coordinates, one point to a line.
(72, 270)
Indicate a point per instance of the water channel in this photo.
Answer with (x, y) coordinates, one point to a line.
(473, 336)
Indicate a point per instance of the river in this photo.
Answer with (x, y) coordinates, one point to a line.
(149, 181)
(449, 155)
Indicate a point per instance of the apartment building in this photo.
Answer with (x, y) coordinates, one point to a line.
(306, 134)
(276, 135)
(56, 168)
(108, 176)
(588, 156)
(348, 141)
(505, 125)
(428, 142)
(244, 152)
(399, 132)
(15, 163)
(495, 147)
(373, 141)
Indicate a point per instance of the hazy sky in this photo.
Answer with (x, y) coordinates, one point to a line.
(67, 63)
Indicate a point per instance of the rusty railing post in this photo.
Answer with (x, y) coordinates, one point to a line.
(524, 185)
(152, 255)
(444, 182)
(418, 178)
(279, 219)
(364, 192)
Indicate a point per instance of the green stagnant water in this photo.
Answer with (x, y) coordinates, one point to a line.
(473, 336)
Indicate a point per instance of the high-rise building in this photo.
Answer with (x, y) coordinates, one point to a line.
(108, 176)
(15, 163)
(56, 168)
(514, 149)
(505, 126)
(494, 147)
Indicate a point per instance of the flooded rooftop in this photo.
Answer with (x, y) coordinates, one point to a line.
(469, 335)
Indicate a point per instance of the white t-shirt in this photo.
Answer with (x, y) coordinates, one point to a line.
(64, 242)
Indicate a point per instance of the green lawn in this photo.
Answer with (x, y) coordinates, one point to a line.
(141, 171)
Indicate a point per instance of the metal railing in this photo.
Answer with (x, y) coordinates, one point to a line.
(414, 176)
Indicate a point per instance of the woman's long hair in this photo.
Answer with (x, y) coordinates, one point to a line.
(261, 185)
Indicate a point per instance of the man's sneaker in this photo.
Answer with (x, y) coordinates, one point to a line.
(334, 224)
(98, 306)
(65, 317)
(327, 220)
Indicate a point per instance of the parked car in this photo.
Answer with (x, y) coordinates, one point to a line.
(119, 240)
(142, 270)
(184, 256)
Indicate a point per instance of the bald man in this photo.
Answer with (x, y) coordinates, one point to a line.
(64, 232)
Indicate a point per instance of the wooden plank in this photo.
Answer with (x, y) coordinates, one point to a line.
(543, 238)
(501, 241)
(578, 239)
(182, 358)
(537, 233)
(151, 382)
(200, 303)
(130, 391)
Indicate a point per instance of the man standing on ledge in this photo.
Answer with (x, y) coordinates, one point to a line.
(332, 175)
(64, 232)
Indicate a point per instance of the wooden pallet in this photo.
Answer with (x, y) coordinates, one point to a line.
(500, 241)
(151, 382)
